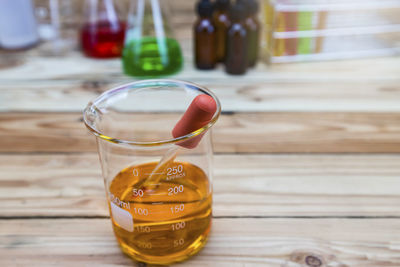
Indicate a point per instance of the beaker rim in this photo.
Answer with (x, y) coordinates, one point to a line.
(91, 106)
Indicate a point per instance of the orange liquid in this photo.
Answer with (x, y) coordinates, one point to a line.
(165, 222)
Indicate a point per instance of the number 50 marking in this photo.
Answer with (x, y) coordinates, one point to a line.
(137, 192)
(179, 242)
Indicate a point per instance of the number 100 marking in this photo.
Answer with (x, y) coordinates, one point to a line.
(178, 225)
(141, 211)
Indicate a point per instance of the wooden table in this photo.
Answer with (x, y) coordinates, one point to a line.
(307, 164)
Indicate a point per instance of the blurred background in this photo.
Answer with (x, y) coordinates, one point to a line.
(286, 30)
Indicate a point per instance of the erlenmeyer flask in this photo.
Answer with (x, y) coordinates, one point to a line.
(150, 49)
(102, 34)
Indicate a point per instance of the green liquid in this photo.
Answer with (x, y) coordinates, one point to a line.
(148, 58)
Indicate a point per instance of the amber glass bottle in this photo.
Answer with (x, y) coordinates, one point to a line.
(253, 31)
(205, 37)
(236, 61)
(222, 23)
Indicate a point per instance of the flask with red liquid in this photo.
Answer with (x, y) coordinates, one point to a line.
(102, 34)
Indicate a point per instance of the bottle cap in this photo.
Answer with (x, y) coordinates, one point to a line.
(222, 4)
(198, 114)
(205, 8)
(252, 7)
(237, 11)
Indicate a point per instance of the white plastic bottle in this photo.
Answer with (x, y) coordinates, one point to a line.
(18, 27)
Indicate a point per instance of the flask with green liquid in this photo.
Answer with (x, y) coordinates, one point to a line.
(150, 49)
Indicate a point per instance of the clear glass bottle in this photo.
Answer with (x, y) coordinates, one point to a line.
(150, 49)
(102, 34)
(56, 26)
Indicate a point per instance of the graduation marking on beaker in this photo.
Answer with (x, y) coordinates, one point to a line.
(178, 225)
(141, 211)
(175, 190)
(178, 208)
(179, 242)
(143, 229)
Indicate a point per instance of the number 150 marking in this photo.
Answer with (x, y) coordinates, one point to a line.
(178, 208)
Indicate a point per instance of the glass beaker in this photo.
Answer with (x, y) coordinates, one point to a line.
(167, 219)
(150, 49)
(103, 32)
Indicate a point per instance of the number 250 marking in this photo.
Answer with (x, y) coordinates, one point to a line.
(175, 170)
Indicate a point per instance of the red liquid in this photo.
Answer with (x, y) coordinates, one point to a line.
(103, 39)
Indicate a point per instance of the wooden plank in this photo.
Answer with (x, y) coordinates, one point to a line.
(76, 67)
(244, 185)
(241, 132)
(243, 95)
(37, 83)
(233, 242)
(31, 68)
(49, 84)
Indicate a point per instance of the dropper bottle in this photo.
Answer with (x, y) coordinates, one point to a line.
(222, 23)
(205, 44)
(253, 30)
(236, 61)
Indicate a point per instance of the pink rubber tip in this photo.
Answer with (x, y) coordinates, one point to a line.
(198, 114)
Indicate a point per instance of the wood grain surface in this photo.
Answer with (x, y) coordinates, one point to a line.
(233, 242)
(51, 84)
(68, 185)
(322, 132)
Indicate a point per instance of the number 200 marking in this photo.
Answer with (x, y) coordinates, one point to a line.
(144, 245)
(175, 190)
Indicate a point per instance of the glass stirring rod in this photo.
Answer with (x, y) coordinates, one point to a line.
(198, 114)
